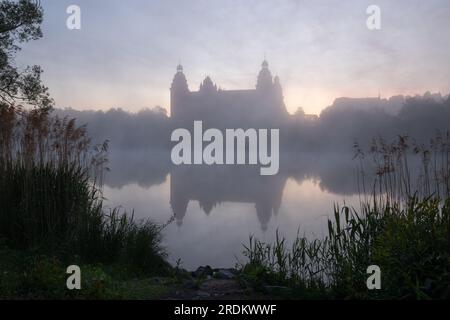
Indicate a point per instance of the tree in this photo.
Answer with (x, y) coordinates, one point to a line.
(20, 22)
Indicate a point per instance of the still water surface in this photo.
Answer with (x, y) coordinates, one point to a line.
(216, 209)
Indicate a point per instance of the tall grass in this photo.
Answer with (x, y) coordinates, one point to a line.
(403, 226)
(51, 199)
(404, 168)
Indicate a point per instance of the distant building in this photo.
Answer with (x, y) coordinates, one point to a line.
(232, 108)
(391, 106)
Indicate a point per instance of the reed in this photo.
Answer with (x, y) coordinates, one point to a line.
(402, 225)
(51, 198)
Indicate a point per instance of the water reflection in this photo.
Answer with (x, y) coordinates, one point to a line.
(213, 185)
(218, 207)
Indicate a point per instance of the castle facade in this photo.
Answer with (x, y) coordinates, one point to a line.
(260, 107)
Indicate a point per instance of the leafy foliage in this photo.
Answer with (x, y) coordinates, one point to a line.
(20, 22)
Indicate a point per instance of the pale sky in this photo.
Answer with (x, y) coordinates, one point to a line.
(126, 52)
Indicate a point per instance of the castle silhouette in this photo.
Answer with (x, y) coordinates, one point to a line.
(263, 106)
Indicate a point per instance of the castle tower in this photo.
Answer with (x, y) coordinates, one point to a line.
(178, 91)
(278, 91)
(277, 85)
(264, 81)
(207, 86)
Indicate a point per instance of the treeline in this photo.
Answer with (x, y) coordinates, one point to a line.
(336, 129)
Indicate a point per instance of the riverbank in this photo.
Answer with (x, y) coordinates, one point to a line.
(409, 245)
(24, 275)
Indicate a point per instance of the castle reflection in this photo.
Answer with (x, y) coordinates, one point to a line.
(211, 186)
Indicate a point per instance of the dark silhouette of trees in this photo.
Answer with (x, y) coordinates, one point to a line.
(20, 22)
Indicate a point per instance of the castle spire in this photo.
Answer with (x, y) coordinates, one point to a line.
(178, 91)
(207, 85)
(277, 85)
(264, 81)
(179, 83)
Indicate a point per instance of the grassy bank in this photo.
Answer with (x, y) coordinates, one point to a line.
(52, 216)
(28, 275)
(411, 246)
(59, 211)
(402, 227)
